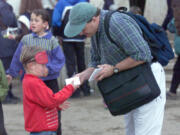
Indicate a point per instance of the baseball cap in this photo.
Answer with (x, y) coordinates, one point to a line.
(80, 14)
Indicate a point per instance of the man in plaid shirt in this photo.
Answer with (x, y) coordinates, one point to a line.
(129, 51)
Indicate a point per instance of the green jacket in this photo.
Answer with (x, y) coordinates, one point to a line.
(3, 83)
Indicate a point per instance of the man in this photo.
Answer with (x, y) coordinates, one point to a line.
(131, 50)
(73, 47)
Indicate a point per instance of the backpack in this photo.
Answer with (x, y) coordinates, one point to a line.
(153, 33)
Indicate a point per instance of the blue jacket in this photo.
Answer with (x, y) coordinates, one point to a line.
(56, 57)
(59, 8)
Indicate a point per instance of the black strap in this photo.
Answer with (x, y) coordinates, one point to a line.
(106, 25)
(107, 20)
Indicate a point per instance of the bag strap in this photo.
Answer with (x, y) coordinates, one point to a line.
(107, 20)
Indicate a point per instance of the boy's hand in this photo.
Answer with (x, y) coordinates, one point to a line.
(64, 105)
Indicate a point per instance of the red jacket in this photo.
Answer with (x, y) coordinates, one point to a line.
(40, 104)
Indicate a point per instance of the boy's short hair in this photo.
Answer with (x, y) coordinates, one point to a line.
(43, 13)
(28, 54)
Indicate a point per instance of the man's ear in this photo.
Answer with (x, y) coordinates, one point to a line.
(95, 18)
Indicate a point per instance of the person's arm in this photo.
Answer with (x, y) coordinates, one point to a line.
(56, 59)
(108, 70)
(39, 93)
(16, 65)
(83, 76)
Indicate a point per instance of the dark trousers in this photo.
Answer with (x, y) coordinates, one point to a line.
(75, 63)
(138, 3)
(169, 15)
(2, 128)
(53, 84)
(176, 76)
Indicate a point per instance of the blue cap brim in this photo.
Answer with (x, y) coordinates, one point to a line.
(73, 30)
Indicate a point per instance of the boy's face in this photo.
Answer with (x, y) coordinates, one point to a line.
(37, 24)
(37, 69)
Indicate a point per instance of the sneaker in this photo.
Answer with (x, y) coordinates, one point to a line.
(170, 95)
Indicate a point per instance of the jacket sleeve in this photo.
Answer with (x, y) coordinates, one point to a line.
(56, 59)
(16, 65)
(57, 14)
(3, 82)
(40, 94)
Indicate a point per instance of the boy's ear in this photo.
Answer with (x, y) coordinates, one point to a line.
(29, 65)
(46, 25)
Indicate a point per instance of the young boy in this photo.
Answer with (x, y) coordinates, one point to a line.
(41, 37)
(39, 102)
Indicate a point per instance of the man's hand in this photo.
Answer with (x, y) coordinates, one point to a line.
(9, 78)
(107, 70)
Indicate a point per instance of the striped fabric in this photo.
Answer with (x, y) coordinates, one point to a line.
(45, 43)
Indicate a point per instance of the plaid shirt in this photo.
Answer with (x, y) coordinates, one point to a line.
(128, 37)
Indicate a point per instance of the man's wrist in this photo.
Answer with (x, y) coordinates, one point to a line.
(116, 70)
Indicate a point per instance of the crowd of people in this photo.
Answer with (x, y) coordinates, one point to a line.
(49, 38)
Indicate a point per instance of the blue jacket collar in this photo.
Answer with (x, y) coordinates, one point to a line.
(47, 36)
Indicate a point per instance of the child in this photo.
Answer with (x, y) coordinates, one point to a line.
(41, 37)
(39, 102)
(174, 27)
(3, 93)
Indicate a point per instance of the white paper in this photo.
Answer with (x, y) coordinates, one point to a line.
(75, 79)
(95, 72)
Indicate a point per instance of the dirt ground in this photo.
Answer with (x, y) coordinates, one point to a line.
(87, 116)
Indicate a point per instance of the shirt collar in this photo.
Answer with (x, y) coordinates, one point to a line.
(47, 36)
(101, 20)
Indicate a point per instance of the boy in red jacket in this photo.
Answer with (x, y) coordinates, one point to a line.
(39, 102)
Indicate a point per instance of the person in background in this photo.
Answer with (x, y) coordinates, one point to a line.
(3, 93)
(73, 47)
(39, 102)
(135, 10)
(41, 37)
(27, 6)
(139, 3)
(107, 4)
(174, 27)
(129, 51)
(7, 46)
(169, 15)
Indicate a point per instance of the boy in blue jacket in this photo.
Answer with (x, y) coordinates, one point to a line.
(43, 38)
